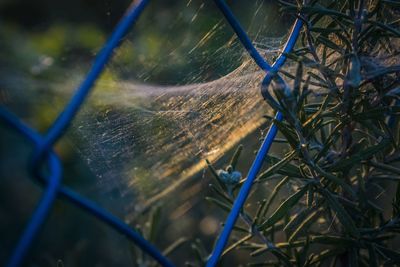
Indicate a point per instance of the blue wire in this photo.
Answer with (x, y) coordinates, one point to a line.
(244, 39)
(59, 127)
(291, 42)
(73, 197)
(39, 215)
(246, 42)
(243, 193)
(64, 119)
(266, 145)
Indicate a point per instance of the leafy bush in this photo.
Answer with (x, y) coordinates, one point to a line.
(341, 141)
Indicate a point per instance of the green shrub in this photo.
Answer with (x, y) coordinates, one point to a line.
(335, 202)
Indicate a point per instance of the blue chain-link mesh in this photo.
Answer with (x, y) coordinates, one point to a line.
(44, 154)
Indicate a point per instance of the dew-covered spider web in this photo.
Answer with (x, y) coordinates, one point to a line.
(155, 137)
(181, 89)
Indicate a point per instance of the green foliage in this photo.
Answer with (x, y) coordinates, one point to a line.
(341, 131)
(151, 231)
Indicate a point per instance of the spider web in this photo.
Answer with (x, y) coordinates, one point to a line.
(146, 140)
(156, 137)
(148, 129)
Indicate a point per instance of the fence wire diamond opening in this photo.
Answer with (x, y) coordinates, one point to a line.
(51, 180)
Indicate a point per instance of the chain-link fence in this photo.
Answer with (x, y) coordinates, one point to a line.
(45, 156)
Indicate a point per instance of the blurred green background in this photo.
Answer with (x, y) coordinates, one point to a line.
(46, 43)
